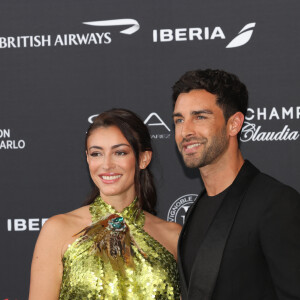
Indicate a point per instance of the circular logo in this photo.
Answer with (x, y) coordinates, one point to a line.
(180, 207)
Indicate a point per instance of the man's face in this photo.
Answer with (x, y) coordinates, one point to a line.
(200, 128)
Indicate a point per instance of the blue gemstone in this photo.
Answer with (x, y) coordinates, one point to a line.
(117, 223)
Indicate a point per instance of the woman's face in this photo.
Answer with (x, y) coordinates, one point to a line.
(111, 161)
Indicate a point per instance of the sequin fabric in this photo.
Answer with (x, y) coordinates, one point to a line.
(87, 276)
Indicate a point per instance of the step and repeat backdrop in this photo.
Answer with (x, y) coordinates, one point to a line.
(64, 62)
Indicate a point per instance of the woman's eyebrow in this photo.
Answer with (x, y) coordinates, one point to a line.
(112, 147)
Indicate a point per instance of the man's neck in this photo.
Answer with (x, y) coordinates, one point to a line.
(219, 175)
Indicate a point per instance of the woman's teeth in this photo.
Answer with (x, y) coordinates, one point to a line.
(111, 177)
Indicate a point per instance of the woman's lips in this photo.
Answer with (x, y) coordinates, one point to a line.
(110, 178)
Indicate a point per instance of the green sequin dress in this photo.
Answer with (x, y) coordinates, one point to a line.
(87, 276)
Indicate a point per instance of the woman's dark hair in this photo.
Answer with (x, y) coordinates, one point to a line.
(137, 134)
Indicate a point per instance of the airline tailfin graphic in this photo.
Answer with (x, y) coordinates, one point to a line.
(243, 37)
(135, 26)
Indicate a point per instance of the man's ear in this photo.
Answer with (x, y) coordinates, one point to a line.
(235, 123)
(145, 158)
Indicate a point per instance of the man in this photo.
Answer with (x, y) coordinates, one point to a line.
(241, 238)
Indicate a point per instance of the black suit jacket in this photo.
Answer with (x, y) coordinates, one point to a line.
(251, 250)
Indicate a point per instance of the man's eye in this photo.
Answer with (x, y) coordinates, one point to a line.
(200, 117)
(177, 121)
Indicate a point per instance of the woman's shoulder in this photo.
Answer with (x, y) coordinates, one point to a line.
(60, 229)
(73, 218)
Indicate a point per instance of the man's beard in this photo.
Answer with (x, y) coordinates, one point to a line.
(210, 152)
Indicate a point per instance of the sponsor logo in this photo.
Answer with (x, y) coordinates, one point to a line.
(180, 207)
(134, 25)
(32, 224)
(6, 143)
(243, 37)
(251, 131)
(187, 34)
(157, 126)
(202, 34)
(70, 39)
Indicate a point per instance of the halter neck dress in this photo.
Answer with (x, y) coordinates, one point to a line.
(88, 276)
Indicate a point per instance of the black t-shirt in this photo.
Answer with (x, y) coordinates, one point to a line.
(201, 218)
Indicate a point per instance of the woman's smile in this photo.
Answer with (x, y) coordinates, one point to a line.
(110, 178)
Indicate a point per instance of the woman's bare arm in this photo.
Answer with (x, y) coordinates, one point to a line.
(166, 233)
(46, 268)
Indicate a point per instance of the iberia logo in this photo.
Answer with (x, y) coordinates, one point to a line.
(202, 34)
(243, 37)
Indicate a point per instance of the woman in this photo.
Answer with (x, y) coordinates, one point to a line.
(113, 248)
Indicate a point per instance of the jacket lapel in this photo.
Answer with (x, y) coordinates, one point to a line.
(207, 263)
(183, 284)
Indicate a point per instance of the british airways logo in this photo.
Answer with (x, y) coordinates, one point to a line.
(72, 39)
(134, 26)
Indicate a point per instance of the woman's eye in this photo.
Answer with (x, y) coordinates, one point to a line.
(95, 154)
(120, 153)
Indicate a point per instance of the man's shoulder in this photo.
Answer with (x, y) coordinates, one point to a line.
(266, 184)
(266, 196)
(269, 180)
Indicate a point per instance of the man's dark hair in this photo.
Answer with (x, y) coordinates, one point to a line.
(231, 93)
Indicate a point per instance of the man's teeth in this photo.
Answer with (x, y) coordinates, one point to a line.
(192, 146)
(111, 177)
